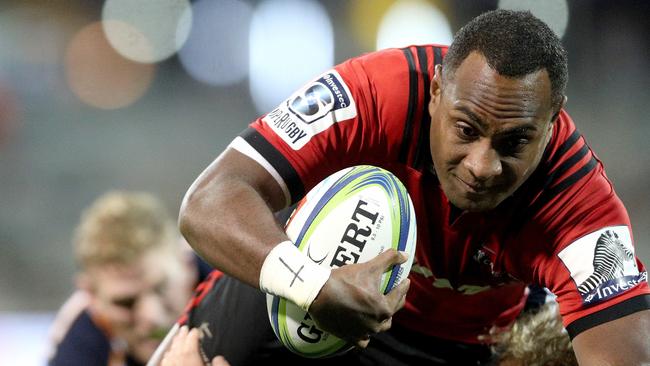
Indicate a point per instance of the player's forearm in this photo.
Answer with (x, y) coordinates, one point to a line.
(231, 226)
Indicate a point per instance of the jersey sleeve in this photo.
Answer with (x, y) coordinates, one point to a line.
(344, 117)
(596, 274)
(585, 252)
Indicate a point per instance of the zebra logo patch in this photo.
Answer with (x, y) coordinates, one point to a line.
(602, 264)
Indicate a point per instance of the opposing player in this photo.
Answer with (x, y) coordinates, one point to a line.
(134, 279)
(537, 338)
(505, 188)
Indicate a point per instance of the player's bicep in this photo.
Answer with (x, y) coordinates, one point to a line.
(595, 273)
(624, 341)
(234, 167)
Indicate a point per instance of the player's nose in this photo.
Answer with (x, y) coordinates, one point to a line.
(483, 161)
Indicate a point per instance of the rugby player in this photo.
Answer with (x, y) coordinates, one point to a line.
(135, 277)
(506, 192)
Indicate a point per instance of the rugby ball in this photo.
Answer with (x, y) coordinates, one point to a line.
(350, 217)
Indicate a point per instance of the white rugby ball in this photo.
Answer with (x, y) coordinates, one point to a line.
(350, 217)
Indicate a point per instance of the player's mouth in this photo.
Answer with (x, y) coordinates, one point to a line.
(473, 188)
(158, 333)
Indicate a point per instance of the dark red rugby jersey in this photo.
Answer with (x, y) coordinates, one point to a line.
(564, 229)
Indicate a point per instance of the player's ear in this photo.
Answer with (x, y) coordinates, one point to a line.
(435, 90)
(436, 83)
(559, 108)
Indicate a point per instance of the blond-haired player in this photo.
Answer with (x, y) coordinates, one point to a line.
(133, 281)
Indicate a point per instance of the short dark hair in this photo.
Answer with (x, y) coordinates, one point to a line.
(515, 44)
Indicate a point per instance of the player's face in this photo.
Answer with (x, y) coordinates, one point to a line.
(139, 301)
(488, 132)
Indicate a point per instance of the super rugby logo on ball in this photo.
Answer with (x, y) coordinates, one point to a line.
(350, 217)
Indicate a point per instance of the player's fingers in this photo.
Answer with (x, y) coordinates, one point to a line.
(387, 259)
(191, 343)
(396, 298)
(179, 338)
(385, 325)
(363, 343)
(220, 361)
(165, 360)
(169, 359)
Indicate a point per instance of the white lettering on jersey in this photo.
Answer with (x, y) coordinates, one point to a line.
(312, 109)
(445, 283)
(603, 264)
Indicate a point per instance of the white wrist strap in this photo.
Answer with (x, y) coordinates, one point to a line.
(289, 273)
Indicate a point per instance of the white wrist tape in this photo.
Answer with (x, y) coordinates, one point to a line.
(289, 273)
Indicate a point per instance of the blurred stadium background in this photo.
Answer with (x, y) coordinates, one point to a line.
(124, 94)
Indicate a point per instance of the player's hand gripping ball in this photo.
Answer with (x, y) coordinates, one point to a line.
(350, 217)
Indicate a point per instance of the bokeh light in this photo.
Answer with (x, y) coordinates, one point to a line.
(410, 22)
(364, 17)
(147, 30)
(42, 44)
(8, 113)
(216, 51)
(291, 42)
(32, 43)
(554, 12)
(101, 77)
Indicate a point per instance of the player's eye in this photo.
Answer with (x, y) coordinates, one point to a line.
(160, 288)
(465, 131)
(125, 303)
(514, 145)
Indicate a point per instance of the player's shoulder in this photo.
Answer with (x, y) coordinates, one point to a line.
(568, 166)
(399, 59)
(565, 136)
(76, 338)
(85, 330)
(568, 195)
(72, 315)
